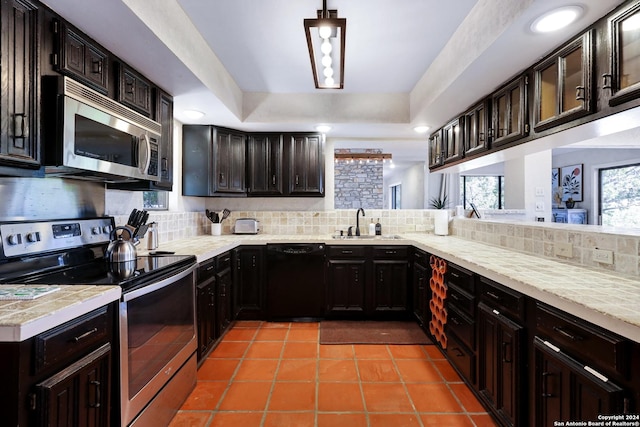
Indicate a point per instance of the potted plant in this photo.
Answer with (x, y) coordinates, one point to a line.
(439, 203)
(570, 203)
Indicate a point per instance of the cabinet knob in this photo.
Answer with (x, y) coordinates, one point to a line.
(606, 81)
(273, 180)
(579, 93)
(96, 67)
(21, 130)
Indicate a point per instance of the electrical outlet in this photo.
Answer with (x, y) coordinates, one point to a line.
(563, 249)
(603, 256)
(539, 206)
(539, 191)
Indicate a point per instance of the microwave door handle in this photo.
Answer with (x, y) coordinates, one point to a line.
(144, 152)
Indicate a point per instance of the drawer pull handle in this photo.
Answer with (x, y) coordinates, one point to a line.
(505, 352)
(459, 352)
(455, 320)
(606, 81)
(492, 295)
(390, 252)
(96, 384)
(457, 276)
(455, 297)
(85, 335)
(572, 337)
(347, 252)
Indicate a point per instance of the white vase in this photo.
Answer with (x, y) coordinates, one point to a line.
(441, 222)
(216, 229)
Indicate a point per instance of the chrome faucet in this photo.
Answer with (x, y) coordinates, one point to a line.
(358, 220)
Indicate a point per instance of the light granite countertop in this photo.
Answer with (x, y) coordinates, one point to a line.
(23, 319)
(605, 299)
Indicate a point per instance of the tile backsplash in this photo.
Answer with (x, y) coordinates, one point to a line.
(527, 237)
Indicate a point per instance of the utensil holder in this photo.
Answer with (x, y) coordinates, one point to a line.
(216, 229)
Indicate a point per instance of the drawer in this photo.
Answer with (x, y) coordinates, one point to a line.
(420, 257)
(463, 279)
(206, 270)
(502, 298)
(587, 343)
(386, 252)
(223, 261)
(346, 251)
(461, 326)
(462, 358)
(461, 299)
(73, 339)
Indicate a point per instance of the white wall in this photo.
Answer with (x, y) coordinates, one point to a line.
(412, 180)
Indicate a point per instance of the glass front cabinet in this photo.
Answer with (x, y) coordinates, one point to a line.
(510, 120)
(476, 123)
(436, 152)
(622, 83)
(452, 140)
(563, 84)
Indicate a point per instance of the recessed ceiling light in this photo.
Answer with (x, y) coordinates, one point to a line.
(421, 129)
(323, 128)
(193, 114)
(556, 19)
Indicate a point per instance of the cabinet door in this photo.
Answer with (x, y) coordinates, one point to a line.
(510, 121)
(80, 58)
(229, 158)
(346, 288)
(224, 301)
(475, 136)
(248, 280)
(500, 362)
(164, 115)
(565, 390)
(134, 90)
(197, 160)
(420, 293)
(563, 89)
(390, 286)
(436, 152)
(79, 394)
(622, 83)
(452, 140)
(306, 165)
(206, 316)
(265, 165)
(19, 140)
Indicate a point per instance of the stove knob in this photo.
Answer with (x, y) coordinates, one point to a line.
(14, 239)
(107, 229)
(33, 237)
(96, 230)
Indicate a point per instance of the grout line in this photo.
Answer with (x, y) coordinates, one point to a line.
(404, 385)
(275, 375)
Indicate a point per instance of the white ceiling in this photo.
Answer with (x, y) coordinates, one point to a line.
(245, 62)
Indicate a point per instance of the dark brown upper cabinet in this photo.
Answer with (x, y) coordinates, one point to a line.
(476, 123)
(436, 152)
(622, 82)
(164, 116)
(306, 165)
(229, 161)
(265, 160)
(563, 84)
(452, 140)
(510, 118)
(133, 90)
(19, 141)
(78, 57)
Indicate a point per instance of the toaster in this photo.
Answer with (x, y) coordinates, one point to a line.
(246, 226)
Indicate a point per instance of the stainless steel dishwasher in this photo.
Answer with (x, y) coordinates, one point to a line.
(295, 281)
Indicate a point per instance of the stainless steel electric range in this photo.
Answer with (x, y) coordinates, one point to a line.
(157, 333)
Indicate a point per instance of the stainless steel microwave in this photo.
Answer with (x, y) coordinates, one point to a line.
(94, 137)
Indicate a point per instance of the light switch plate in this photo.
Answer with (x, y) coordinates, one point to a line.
(603, 256)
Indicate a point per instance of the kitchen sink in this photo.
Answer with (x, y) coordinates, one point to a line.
(368, 237)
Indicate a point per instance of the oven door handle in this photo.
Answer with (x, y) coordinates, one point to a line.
(157, 285)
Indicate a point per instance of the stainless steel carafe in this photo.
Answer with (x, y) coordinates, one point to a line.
(152, 236)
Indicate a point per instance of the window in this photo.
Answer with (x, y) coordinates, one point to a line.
(486, 192)
(396, 196)
(155, 200)
(619, 204)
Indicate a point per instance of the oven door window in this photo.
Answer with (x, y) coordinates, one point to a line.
(99, 141)
(159, 325)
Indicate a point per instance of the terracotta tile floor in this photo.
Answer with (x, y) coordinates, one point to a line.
(278, 375)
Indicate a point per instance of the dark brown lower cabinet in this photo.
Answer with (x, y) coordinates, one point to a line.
(206, 314)
(249, 282)
(79, 394)
(500, 354)
(421, 296)
(390, 287)
(345, 294)
(224, 297)
(565, 390)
